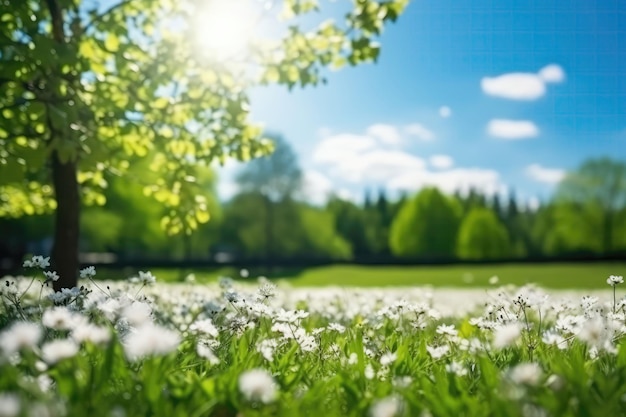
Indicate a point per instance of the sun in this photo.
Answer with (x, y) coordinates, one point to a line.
(224, 29)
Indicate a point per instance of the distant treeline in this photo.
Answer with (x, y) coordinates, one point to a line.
(269, 222)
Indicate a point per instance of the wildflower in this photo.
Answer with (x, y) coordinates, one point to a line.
(146, 278)
(336, 327)
(137, 313)
(206, 327)
(88, 272)
(506, 335)
(59, 318)
(387, 407)
(21, 335)
(494, 280)
(9, 405)
(456, 368)
(613, 280)
(150, 339)
(526, 374)
(267, 348)
(388, 358)
(258, 385)
(51, 276)
(57, 350)
(437, 352)
(447, 330)
(553, 338)
(290, 316)
(267, 290)
(244, 273)
(37, 262)
(91, 333)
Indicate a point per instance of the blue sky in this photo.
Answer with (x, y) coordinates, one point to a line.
(495, 94)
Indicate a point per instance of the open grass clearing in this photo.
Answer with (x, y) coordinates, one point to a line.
(557, 275)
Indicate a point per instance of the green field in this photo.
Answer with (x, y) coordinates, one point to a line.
(566, 275)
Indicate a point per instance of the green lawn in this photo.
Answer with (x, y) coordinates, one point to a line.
(579, 275)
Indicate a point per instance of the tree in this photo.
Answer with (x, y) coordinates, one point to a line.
(277, 178)
(596, 192)
(482, 236)
(426, 226)
(351, 223)
(87, 86)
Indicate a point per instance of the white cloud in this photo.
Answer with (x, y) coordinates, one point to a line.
(522, 85)
(419, 131)
(376, 166)
(461, 179)
(445, 112)
(441, 161)
(546, 175)
(512, 129)
(387, 134)
(362, 163)
(552, 74)
(316, 187)
(335, 148)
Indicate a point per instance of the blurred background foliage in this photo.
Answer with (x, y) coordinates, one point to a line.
(269, 220)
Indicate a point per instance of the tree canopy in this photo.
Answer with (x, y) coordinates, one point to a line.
(482, 236)
(426, 226)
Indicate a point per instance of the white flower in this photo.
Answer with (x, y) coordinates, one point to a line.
(91, 333)
(9, 405)
(494, 280)
(205, 326)
(267, 290)
(37, 262)
(553, 338)
(60, 318)
(88, 272)
(456, 368)
(387, 407)
(51, 275)
(244, 273)
(258, 385)
(21, 335)
(137, 313)
(437, 352)
(613, 280)
(267, 348)
(150, 339)
(56, 350)
(336, 327)
(388, 358)
(146, 278)
(526, 374)
(447, 330)
(506, 335)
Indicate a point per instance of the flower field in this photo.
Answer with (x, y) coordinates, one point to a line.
(139, 348)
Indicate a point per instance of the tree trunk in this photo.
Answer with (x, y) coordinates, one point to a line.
(67, 223)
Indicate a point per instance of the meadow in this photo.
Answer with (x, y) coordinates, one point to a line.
(142, 348)
(548, 275)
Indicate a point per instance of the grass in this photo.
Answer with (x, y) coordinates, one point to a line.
(562, 275)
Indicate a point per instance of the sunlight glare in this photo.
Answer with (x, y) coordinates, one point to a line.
(224, 28)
